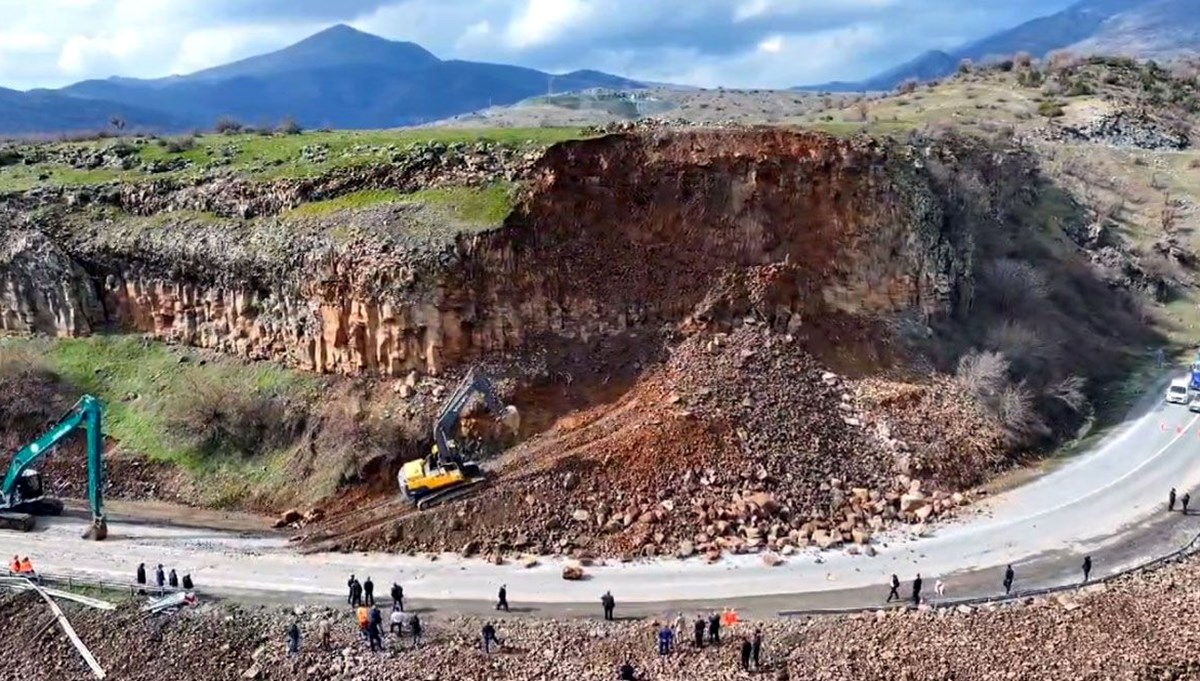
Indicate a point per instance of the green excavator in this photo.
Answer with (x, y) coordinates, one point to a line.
(23, 495)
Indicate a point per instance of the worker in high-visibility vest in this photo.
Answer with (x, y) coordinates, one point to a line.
(26, 566)
(15, 566)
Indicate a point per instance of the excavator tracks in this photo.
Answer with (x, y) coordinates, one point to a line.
(447, 495)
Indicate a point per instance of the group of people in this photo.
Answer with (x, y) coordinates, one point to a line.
(361, 597)
(22, 567)
(1184, 500)
(164, 579)
(1010, 577)
(708, 632)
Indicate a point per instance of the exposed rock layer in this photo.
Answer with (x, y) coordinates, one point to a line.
(617, 232)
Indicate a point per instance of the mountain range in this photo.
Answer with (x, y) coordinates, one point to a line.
(345, 78)
(1140, 28)
(339, 78)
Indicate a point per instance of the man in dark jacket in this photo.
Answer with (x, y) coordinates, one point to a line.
(356, 590)
(397, 596)
(368, 592)
(414, 625)
(502, 601)
(895, 592)
(916, 590)
(489, 637)
(627, 672)
(747, 651)
(173, 579)
(187, 582)
(160, 578)
(699, 632)
(141, 573)
(608, 602)
(756, 648)
(1009, 577)
(294, 639)
(350, 591)
(1087, 568)
(714, 629)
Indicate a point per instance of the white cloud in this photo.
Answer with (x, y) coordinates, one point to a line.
(772, 45)
(761, 43)
(543, 21)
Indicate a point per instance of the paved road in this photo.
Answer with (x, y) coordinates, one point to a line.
(1109, 502)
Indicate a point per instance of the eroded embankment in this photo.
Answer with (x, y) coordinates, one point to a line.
(618, 232)
(668, 307)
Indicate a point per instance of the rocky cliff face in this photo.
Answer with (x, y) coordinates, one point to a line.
(617, 232)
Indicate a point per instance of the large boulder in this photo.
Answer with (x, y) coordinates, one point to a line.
(572, 573)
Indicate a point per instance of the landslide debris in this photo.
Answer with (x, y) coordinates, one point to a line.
(1136, 627)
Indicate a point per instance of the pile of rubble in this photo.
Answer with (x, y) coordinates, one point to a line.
(1137, 627)
(739, 443)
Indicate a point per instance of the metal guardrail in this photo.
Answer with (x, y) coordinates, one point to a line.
(70, 582)
(1152, 564)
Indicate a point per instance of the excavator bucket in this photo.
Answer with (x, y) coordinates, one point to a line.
(98, 530)
(511, 419)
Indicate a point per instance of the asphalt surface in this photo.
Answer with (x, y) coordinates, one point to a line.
(1108, 502)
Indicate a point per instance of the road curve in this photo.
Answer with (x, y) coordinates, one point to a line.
(1108, 501)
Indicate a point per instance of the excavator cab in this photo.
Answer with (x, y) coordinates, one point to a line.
(445, 473)
(23, 492)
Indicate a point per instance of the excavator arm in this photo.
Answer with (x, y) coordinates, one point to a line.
(85, 414)
(448, 419)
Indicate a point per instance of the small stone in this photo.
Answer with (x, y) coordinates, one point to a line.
(772, 560)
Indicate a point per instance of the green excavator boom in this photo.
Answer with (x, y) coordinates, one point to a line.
(87, 414)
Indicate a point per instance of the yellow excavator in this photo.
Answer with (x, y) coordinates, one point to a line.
(446, 474)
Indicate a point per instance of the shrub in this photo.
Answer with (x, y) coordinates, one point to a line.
(907, 87)
(1023, 60)
(1079, 88)
(289, 126)
(1050, 109)
(1012, 286)
(965, 66)
(982, 374)
(216, 421)
(34, 397)
(177, 145)
(228, 126)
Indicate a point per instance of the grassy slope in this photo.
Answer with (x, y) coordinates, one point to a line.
(273, 156)
(142, 384)
(477, 206)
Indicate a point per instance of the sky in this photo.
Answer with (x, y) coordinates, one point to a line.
(732, 43)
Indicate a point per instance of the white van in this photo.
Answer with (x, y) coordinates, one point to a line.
(1177, 392)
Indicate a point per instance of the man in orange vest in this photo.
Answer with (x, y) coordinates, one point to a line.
(15, 566)
(26, 566)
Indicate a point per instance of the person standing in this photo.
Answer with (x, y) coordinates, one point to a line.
(895, 592)
(141, 574)
(699, 629)
(680, 627)
(187, 582)
(414, 625)
(747, 651)
(1184, 501)
(397, 597)
(939, 588)
(173, 579)
(397, 619)
(502, 602)
(160, 578)
(627, 672)
(294, 639)
(356, 593)
(1087, 568)
(368, 592)
(489, 637)
(714, 629)
(1171, 500)
(324, 634)
(1009, 577)
(609, 603)
(665, 638)
(375, 635)
(350, 591)
(756, 648)
(916, 590)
